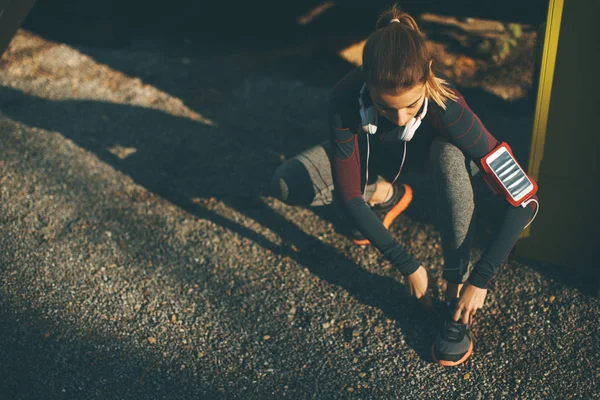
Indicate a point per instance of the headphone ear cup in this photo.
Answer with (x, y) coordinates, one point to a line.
(412, 126)
(369, 119)
(409, 130)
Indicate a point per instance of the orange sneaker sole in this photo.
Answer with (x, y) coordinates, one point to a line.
(445, 363)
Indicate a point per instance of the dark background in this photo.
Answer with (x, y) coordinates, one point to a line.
(115, 22)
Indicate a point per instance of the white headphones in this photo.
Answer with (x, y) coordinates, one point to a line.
(369, 115)
(369, 118)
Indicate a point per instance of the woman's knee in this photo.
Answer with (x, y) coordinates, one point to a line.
(279, 183)
(306, 179)
(446, 157)
(291, 183)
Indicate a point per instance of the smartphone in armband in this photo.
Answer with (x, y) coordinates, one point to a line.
(505, 176)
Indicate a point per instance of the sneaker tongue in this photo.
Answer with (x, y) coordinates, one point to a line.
(387, 203)
(396, 195)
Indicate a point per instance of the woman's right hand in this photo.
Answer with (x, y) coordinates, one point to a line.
(418, 285)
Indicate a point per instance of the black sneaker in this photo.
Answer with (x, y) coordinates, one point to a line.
(453, 344)
(388, 211)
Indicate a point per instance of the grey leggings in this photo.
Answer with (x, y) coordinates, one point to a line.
(307, 180)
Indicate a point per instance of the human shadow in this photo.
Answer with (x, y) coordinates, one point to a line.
(188, 162)
(46, 359)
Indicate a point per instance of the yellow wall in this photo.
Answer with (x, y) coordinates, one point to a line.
(566, 146)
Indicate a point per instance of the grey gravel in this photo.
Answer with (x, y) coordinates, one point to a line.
(142, 257)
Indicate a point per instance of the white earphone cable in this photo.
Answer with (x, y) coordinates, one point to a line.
(398, 174)
(401, 164)
(367, 168)
(525, 203)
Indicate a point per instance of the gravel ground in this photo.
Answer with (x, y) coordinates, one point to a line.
(143, 258)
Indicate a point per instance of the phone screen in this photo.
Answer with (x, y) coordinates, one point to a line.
(510, 174)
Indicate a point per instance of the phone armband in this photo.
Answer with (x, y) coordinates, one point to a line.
(506, 177)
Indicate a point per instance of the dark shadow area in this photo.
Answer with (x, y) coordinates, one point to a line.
(239, 24)
(508, 121)
(267, 31)
(115, 22)
(42, 358)
(531, 12)
(583, 278)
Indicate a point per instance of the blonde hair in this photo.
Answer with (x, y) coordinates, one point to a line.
(396, 58)
(438, 90)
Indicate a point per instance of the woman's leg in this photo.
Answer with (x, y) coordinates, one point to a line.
(455, 212)
(306, 179)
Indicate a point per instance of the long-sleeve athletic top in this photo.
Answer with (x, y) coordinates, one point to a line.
(458, 124)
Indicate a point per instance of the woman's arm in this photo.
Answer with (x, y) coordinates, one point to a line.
(464, 128)
(347, 180)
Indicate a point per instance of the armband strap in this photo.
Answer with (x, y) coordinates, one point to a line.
(506, 177)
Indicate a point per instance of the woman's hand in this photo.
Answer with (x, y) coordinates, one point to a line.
(418, 284)
(471, 299)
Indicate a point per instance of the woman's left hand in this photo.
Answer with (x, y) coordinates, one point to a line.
(471, 299)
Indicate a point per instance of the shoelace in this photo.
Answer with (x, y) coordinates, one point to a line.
(453, 330)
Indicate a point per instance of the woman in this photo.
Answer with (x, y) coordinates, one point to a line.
(375, 111)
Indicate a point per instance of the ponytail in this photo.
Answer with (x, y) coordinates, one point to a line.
(396, 58)
(438, 90)
(403, 18)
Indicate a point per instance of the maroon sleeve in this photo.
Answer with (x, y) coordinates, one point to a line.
(346, 163)
(464, 128)
(344, 121)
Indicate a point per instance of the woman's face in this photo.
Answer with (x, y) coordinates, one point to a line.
(400, 107)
